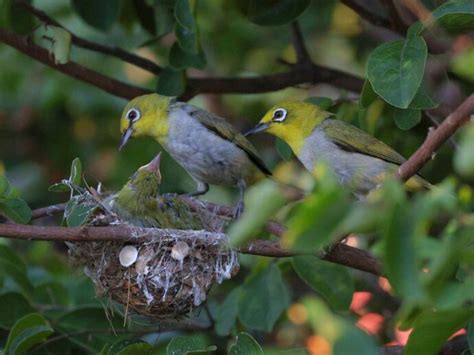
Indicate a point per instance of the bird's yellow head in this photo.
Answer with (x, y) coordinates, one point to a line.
(145, 115)
(291, 121)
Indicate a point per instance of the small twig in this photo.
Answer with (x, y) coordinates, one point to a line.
(117, 52)
(48, 210)
(302, 56)
(436, 138)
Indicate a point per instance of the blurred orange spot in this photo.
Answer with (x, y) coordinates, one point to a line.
(384, 284)
(317, 345)
(359, 300)
(371, 322)
(297, 314)
(401, 336)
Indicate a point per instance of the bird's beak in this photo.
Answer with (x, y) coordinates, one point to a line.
(125, 137)
(154, 165)
(258, 128)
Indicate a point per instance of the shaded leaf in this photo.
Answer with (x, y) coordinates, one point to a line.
(395, 70)
(14, 267)
(332, 281)
(145, 15)
(245, 344)
(226, 313)
(188, 344)
(16, 209)
(79, 214)
(454, 15)
(4, 186)
(59, 187)
(406, 119)
(463, 158)
(180, 59)
(99, 14)
(283, 149)
(171, 82)
(129, 347)
(423, 99)
(185, 27)
(323, 102)
(367, 95)
(432, 329)
(13, 306)
(272, 12)
(259, 308)
(28, 331)
(87, 317)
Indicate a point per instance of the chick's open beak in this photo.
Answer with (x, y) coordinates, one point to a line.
(154, 165)
(125, 137)
(258, 128)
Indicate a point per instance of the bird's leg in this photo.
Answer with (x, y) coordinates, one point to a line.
(239, 209)
(202, 188)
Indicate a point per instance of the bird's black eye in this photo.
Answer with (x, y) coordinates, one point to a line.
(133, 114)
(279, 115)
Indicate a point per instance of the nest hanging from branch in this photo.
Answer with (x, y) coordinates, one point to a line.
(163, 277)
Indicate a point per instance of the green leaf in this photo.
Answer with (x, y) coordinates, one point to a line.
(272, 12)
(76, 172)
(333, 282)
(264, 297)
(14, 17)
(470, 335)
(16, 209)
(61, 43)
(226, 313)
(245, 344)
(145, 15)
(171, 82)
(324, 103)
(28, 331)
(423, 99)
(59, 187)
(188, 344)
(51, 293)
(400, 259)
(185, 27)
(179, 59)
(4, 186)
(463, 158)
(406, 119)
(13, 305)
(87, 317)
(283, 149)
(129, 347)
(99, 14)
(367, 95)
(257, 210)
(432, 329)
(14, 267)
(454, 15)
(80, 214)
(395, 70)
(165, 17)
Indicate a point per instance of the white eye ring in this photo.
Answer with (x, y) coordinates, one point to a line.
(133, 115)
(279, 115)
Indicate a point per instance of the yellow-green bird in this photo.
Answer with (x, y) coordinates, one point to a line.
(210, 149)
(358, 159)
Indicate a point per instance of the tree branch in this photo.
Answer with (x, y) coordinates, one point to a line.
(341, 254)
(48, 210)
(112, 86)
(117, 52)
(436, 138)
(302, 56)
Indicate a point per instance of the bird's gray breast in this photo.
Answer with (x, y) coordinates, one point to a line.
(202, 153)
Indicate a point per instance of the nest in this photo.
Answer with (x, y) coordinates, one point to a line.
(163, 277)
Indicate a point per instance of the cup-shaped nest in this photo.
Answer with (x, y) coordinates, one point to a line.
(164, 277)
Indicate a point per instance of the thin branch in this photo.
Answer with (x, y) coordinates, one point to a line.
(436, 138)
(302, 56)
(340, 253)
(117, 52)
(48, 211)
(112, 86)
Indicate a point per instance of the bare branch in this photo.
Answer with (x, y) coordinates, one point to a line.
(341, 254)
(302, 56)
(112, 86)
(48, 211)
(436, 138)
(117, 52)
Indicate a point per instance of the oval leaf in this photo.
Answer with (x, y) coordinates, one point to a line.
(455, 15)
(171, 82)
(395, 70)
(28, 331)
(99, 14)
(186, 345)
(180, 59)
(273, 12)
(245, 344)
(185, 28)
(406, 119)
(16, 209)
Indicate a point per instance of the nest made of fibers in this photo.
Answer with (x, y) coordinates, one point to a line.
(165, 277)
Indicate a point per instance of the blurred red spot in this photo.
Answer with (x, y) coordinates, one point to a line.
(459, 332)
(401, 336)
(359, 300)
(371, 322)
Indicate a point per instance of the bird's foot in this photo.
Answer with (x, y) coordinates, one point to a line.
(239, 209)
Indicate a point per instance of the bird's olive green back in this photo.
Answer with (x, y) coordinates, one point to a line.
(226, 131)
(353, 139)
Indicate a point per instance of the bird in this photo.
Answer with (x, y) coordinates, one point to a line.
(140, 203)
(209, 148)
(358, 159)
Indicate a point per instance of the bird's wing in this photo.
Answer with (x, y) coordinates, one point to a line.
(353, 139)
(226, 131)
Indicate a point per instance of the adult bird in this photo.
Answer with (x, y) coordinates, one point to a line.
(358, 159)
(210, 149)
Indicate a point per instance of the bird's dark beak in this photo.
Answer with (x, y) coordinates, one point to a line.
(154, 165)
(258, 128)
(125, 137)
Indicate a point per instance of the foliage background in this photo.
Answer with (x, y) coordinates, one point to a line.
(47, 119)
